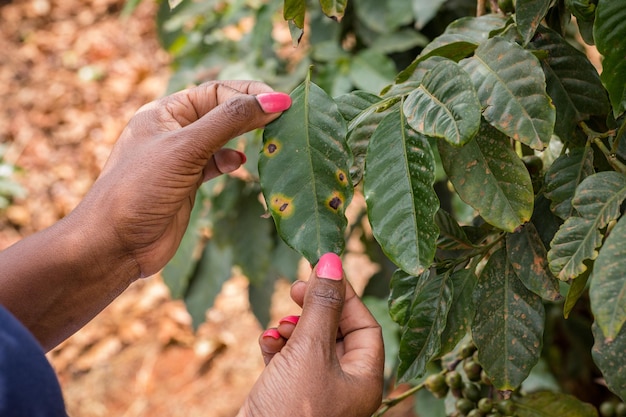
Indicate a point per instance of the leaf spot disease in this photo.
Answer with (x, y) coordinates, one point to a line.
(271, 148)
(281, 205)
(335, 201)
(341, 177)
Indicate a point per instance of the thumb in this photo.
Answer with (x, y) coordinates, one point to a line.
(323, 303)
(235, 114)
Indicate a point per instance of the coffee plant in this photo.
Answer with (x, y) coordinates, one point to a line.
(491, 154)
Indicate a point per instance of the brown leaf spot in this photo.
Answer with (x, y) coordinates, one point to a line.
(271, 148)
(281, 205)
(335, 201)
(341, 177)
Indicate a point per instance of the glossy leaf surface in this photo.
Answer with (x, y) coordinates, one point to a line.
(563, 176)
(610, 356)
(511, 87)
(546, 403)
(609, 34)
(529, 259)
(607, 291)
(421, 336)
(461, 311)
(528, 15)
(304, 171)
(572, 82)
(489, 176)
(445, 105)
(597, 201)
(398, 188)
(508, 326)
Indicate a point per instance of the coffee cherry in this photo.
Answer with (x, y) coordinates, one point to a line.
(454, 380)
(506, 407)
(472, 370)
(484, 378)
(607, 409)
(475, 413)
(620, 410)
(485, 405)
(436, 384)
(464, 406)
(471, 391)
(494, 414)
(467, 350)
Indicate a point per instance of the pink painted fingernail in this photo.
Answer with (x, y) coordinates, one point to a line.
(290, 319)
(273, 333)
(274, 102)
(329, 267)
(243, 157)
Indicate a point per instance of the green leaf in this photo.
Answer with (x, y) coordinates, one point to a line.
(180, 269)
(445, 105)
(425, 10)
(563, 176)
(399, 41)
(384, 16)
(421, 336)
(489, 176)
(609, 34)
(528, 15)
(550, 404)
(304, 175)
(371, 70)
(529, 259)
(451, 235)
(597, 201)
(334, 8)
(359, 107)
(398, 188)
(508, 326)
(576, 290)
(610, 356)
(572, 82)
(607, 291)
(214, 269)
(402, 287)
(459, 321)
(511, 87)
(293, 12)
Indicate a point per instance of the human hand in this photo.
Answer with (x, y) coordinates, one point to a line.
(142, 200)
(329, 362)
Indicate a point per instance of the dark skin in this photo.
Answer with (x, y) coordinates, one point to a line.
(130, 224)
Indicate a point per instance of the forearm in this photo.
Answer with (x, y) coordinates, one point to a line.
(56, 280)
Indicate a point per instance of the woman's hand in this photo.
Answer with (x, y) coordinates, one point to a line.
(147, 188)
(132, 220)
(328, 362)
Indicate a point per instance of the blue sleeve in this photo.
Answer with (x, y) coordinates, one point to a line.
(28, 384)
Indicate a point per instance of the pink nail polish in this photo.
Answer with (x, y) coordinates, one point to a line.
(273, 333)
(274, 102)
(290, 319)
(243, 157)
(329, 267)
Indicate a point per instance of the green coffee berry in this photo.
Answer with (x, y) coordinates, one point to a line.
(464, 406)
(485, 405)
(607, 409)
(454, 380)
(471, 391)
(472, 370)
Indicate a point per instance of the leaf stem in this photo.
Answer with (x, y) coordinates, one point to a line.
(596, 138)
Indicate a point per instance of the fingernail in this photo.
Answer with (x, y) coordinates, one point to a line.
(274, 102)
(273, 333)
(290, 319)
(243, 157)
(329, 267)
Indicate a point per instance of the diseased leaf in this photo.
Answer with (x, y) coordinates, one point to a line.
(451, 235)
(445, 105)
(572, 82)
(359, 109)
(552, 404)
(609, 33)
(398, 188)
(563, 176)
(508, 326)
(610, 356)
(607, 291)
(489, 176)
(293, 13)
(511, 87)
(597, 201)
(528, 15)
(529, 259)
(401, 296)
(304, 173)
(461, 310)
(421, 336)
(334, 8)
